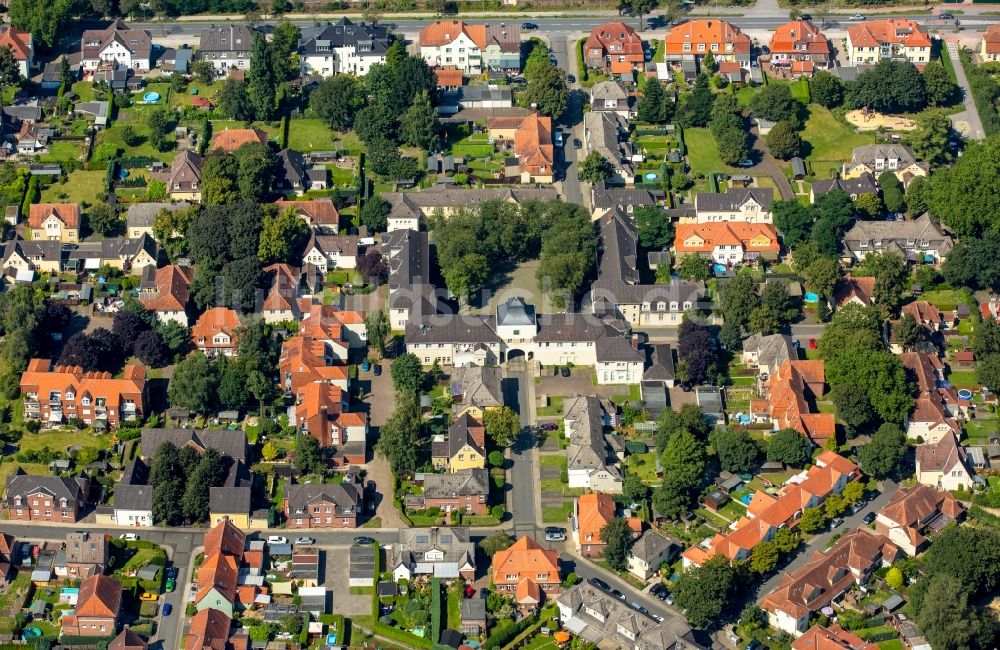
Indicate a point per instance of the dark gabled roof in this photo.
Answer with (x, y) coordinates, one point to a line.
(863, 184)
(661, 365)
(606, 197)
(22, 485)
(227, 38)
(453, 328)
(229, 499)
(228, 443)
(143, 214)
(732, 199)
(365, 38)
(291, 167)
(468, 482)
(619, 250)
(134, 497)
(345, 496)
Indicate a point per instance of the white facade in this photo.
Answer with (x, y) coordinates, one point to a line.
(461, 53)
(339, 60)
(133, 518)
(619, 372)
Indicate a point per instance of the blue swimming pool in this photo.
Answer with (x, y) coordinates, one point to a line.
(151, 97)
(746, 499)
(811, 297)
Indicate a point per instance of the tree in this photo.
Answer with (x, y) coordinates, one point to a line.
(890, 273)
(708, 62)
(853, 492)
(834, 506)
(168, 501)
(595, 168)
(374, 214)
(372, 267)
(269, 452)
(547, 90)
(739, 299)
(908, 332)
(689, 418)
(45, 19)
(775, 103)
(308, 454)
(502, 425)
(939, 86)
(694, 350)
(653, 102)
(949, 620)
(103, 218)
(891, 86)
(776, 298)
(633, 489)
(737, 451)
(786, 540)
(209, 473)
(233, 100)
(203, 71)
(282, 237)
(194, 384)
(869, 205)
(763, 558)
(763, 320)
(261, 387)
(812, 521)
(160, 123)
(419, 126)
(149, 348)
(176, 337)
(853, 407)
(892, 192)
(783, 139)
(398, 436)
(822, 276)
(260, 79)
(617, 538)
(730, 336)
(255, 166)
(378, 326)
(705, 593)
(696, 108)
(99, 350)
(336, 100)
(932, 139)
(218, 182)
(284, 51)
(693, 267)
(407, 375)
(498, 541)
(794, 220)
(894, 578)
(653, 226)
(684, 463)
(233, 393)
(732, 139)
(885, 453)
(637, 8)
(127, 326)
(826, 89)
(790, 447)
(988, 371)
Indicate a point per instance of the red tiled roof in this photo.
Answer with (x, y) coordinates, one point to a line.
(229, 140)
(707, 32)
(448, 77)
(617, 40)
(790, 37)
(992, 39)
(17, 41)
(68, 213)
(873, 33)
(704, 237)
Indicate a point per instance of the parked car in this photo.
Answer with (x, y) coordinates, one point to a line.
(754, 645)
(577, 144)
(167, 609)
(171, 573)
(305, 540)
(669, 599)
(148, 596)
(549, 426)
(657, 617)
(746, 163)
(659, 590)
(276, 539)
(553, 534)
(812, 344)
(869, 518)
(836, 522)
(564, 371)
(171, 584)
(378, 370)
(364, 540)
(805, 17)
(857, 17)
(570, 79)
(366, 365)
(129, 537)
(617, 594)
(600, 584)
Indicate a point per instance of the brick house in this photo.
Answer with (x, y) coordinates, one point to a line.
(45, 498)
(323, 505)
(466, 490)
(97, 607)
(527, 572)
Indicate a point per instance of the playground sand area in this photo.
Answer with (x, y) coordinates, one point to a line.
(872, 121)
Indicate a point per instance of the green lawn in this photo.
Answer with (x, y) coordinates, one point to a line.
(552, 460)
(473, 146)
(84, 91)
(944, 299)
(703, 155)
(557, 515)
(659, 51)
(113, 134)
(79, 186)
(204, 90)
(891, 644)
(555, 406)
(644, 465)
(63, 151)
(963, 378)
(980, 429)
(60, 439)
(309, 135)
(830, 140)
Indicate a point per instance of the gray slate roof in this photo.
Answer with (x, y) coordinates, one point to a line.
(141, 215)
(906, 234)
(228, 443)
(365, 38)
(661, 365)
(863, 184)
(732, 199)
(227, 38)
(516, 312)
(467, 482)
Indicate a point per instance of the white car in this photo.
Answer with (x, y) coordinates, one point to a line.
(276, 539)
(857, 17)
(305, 540)
(129, 537)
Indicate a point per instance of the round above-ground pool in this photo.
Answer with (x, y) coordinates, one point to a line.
(151, 97)
(651, 176)
(719, 268)
(964, 393)
(811, 297)
(30, 633)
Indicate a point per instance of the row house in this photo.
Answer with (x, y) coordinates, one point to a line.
(729, 243)
(875, 159)
(937, 409)
(323, 505)
(443, 552)
(227, 46)
(591, 513)
(527, 573)
(45, 498)
(322, 411)
(22, 48)
(614, 47)
(98, 606)
(463, 447)
(694, 39)
(989, 47)
(787, 394)
(766, 513)
(465, 490)
(321, 215)
(471, 48)
(140, 217)
(748, 205)
(801, 47)
(329, 252)
(591, 462)
(131, 49)
(898, 39)
(915, 512)
(409, 209)
(850, 561)
(944, 464)
(218, 575)
(917, 240)
(343, 47)
(55, 394)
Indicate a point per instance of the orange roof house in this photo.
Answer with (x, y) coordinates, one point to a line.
(787, 404)
(321, 411)
(216, 332)
(831, 638)
(533, 148)
(53, 394)
(455, 43)
(528, 572)
(614, 46)
(97, 608)
(799, 41)
(319, 214)
(303, 361)
(915, 512)
(55, 221)
(219, 572)
(593, 512)
(695, 38)
(989, 49)
(716, 240)
(229, 140)
(857, 290)
(20, 45)
(448, 77)
(851, 560)
(897, 38)
(169, 297)
(225, 538)
(209, 631)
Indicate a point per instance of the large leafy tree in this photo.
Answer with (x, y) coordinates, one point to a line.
(696, 107)
(261, 87)
(892, 192)
(694, 350)
(775, 103)
(595, 168)
(45, 19)
(794, 220)
(653, 226)
(783, 140)
(826, 89)
(502, 425)
(617, 538)
(739, 299)
(378, 327)
(737, 451)
(655, 104)
(398, 436)
(195, 384)
(284, 51)
(960, 196)
(853, 407)
(407, 375)
(891, 86)
(939, 86)
(790, 447)
(336, 100)
(884, 455)
(419, 125)
(708, 592)
(282, 237)
(932, 139)
(548, 91)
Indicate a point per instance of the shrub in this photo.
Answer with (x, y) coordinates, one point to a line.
(496, 459)
(498, 512)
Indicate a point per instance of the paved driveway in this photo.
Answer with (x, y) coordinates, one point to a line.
(768, 166)
(336, 581)
(966, 122)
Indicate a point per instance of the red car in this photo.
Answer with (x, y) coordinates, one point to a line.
(812, 344)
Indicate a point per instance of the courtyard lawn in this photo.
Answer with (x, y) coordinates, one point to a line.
(351, 143)
(340, 176)
(113, 134)
(204, 90)
(557, 515)
(63, 151)
(555, 406)
(703, 155)
(474, 146)
(80, 186)
(61, 439)
(84, 91)
(944, 299)
(964, 378)
(309, 135)
(643, 465)
(830, 141)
